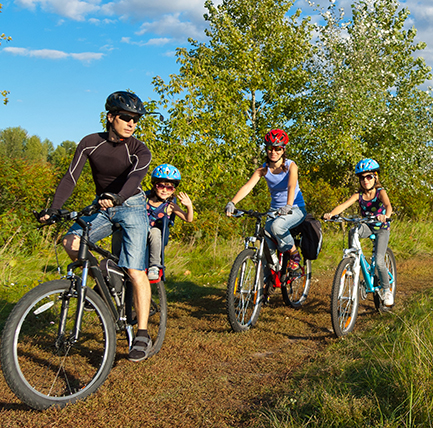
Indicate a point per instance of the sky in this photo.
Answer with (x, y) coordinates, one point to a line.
(67, 56)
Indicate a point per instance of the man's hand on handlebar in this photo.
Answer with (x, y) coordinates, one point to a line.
(109, 200)
(45, 215)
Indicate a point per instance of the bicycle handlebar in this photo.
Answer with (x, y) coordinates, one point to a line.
(65, 215)
(252, 213)
(339, 219)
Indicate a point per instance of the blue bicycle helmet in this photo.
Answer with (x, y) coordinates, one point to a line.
(366, 165)
(166, 172)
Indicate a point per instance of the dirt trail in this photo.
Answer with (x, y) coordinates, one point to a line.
(205, 375)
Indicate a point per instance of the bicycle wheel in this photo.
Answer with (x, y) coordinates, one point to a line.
(157, 317)
(297, 285)
(344, 298)
(392, 274)
(45, 369)
(244, 293)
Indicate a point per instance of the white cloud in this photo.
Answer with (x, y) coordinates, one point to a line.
(173, 26)
(73, 9)
(185, 16)
(54, 54)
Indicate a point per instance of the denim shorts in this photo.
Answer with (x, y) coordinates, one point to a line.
(132, 217)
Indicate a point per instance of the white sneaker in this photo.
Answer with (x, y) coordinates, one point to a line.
(153, 273)
(388, 298)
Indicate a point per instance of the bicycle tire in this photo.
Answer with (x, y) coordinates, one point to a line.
(344, 301)
(296, 287)
(44, 370)
(157, 324)
(391, 265)
(244, 295)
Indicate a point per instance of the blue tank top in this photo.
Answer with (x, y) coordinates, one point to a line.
(278, 187)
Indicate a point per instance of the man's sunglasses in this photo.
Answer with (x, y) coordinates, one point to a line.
(275, 149)
(161, 186)
(128, 117)
(366, 177)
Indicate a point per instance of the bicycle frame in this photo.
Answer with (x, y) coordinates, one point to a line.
(361, 264)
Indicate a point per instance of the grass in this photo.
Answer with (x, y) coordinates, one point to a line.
(289, 371)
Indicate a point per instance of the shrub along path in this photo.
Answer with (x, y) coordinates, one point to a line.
(205, 375)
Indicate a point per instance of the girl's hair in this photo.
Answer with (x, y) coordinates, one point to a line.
(283, 166)
(153, 194)
(377, 183)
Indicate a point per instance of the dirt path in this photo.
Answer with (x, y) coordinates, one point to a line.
(205, 375)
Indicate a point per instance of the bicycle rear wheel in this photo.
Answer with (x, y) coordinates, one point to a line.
(157, 317)
(244, 293)
(344, 298)
(46, 369)
(297, 285)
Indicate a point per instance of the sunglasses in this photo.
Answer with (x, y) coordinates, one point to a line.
(161, 186)
(366, 177)
(128, 117)
(275, 149)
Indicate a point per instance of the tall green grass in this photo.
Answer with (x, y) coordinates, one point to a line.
(381, 378)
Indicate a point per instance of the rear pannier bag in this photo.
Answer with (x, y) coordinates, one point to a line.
(311, 242)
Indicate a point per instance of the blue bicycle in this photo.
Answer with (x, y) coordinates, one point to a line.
(348, 286)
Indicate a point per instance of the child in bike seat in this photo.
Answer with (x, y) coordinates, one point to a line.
(161, 204)
(281, 175)
(373, 200)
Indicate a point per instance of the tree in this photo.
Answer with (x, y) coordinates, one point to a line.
(244, 81)
(12, 142)
(36, 150)
(229, 92)
(4, 94)
(364, 98)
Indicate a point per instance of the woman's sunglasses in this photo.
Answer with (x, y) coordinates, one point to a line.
(161, 186)
(275, 149)
(366, 177)
(128, 117)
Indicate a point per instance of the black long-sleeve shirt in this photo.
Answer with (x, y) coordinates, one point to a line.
(117, 167)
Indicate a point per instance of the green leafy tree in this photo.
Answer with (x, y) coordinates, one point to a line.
(229, 92)
(62, 155)
(12, 142)
(36, 150)
(4, 94)
(365, 99)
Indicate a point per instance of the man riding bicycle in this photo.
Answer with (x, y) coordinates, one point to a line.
(119, 163)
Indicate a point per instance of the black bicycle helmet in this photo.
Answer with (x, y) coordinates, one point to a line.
(124, 101)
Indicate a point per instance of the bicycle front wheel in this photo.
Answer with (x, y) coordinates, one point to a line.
(244, 291)
(297, 285)
(344, 298)
(45, 368)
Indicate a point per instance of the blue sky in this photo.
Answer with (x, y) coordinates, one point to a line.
(66, 56)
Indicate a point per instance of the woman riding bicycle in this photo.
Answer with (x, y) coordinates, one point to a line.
(281, 175)
(373, 200)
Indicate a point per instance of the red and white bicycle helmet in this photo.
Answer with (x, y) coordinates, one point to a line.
(276, 138)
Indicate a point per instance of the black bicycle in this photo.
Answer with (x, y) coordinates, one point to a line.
(59, 342)
(246, 287)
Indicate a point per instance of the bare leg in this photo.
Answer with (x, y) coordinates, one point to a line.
(142, 296)
(71, 243)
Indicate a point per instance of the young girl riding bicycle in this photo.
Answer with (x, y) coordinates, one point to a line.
(281, 175)
(160, 203)
(373, 200)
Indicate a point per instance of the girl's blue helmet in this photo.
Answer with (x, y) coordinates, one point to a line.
(166, 172)
(366, 165)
